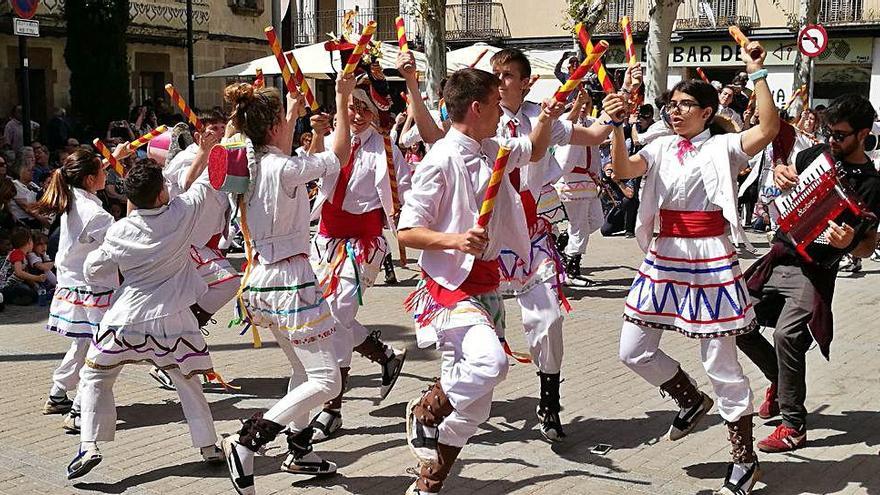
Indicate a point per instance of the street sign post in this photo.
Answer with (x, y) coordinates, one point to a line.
(24, 27)
(812, 42)
(25, 9)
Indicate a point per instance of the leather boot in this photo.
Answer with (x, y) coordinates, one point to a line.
(693, 404)
(201, 315)
(256, 432)
(388, 266)
(391, 360)
(744, 470)
(423, 415)
(431, 477)
(548, 407)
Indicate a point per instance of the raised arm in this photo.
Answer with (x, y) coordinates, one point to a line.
(428, 129)
(540, 136)
(207, 140)
(758, 137)
(342, 135)
(623, 165)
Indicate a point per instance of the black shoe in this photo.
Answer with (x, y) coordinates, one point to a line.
(388, 266)
(391, 371)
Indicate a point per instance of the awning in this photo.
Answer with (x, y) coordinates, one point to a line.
(314, 61)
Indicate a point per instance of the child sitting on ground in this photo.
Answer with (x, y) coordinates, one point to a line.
(17, 285)
(39, 262)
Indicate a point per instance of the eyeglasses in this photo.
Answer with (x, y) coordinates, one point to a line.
(838, 135)
(683, 106)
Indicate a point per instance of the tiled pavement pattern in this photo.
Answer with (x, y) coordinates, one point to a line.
(603, 403)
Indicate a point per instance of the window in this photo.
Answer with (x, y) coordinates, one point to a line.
(247, 7)
(717, 12)
(618, 9)
(840, 11)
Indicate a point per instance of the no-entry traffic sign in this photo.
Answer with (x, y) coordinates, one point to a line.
(25, 8)
(812, 40)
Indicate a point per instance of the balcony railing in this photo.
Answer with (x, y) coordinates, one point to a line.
(842, 12)
(313, 27)
(637, 10)
(716, 14)
(145, 14)
(476, 21)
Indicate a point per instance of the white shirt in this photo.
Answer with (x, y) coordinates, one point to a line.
(448, 188)
(151, 249)
(369, 187)
(82, 231)
(656, 130)
(176, 170)
(548, 169)
(278, 208)
(413, 136)
(706, 180)
(26, 196)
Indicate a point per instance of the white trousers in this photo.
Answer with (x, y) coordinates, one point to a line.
(542, 322)
(344, 307)
(218, 295)
(314, 379)
(66, 376)
(584, 217)
(473, 364)
(99, 406)
(640, 351)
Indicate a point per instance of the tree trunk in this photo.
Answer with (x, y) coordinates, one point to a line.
(433, 13)
(662, 20)
(808, 13)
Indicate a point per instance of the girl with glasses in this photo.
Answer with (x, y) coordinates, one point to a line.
(690, 281)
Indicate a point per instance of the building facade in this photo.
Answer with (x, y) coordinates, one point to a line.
(226, 32)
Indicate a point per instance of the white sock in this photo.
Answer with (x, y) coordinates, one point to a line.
(739, 470)
(84, 446)
(57, 392)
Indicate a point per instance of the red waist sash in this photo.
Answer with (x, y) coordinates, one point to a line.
(483, 278)
(674, 223)
(340, 224)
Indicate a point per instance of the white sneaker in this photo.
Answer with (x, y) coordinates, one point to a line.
(84, 462)
(310, 463)
(162, 377)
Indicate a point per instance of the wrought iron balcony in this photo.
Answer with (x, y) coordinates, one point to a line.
(313, 27)
(479, 21)
(637, 10)
(842, 12)
(716, 14)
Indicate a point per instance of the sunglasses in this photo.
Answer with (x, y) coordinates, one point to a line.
(838, 135)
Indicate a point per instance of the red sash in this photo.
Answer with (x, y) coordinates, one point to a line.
(483, 278)
(340, 224)
(675, 223)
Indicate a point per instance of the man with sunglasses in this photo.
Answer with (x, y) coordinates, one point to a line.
(797, 294)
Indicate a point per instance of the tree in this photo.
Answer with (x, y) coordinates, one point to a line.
(587, 12)
(808, 13)
(662, 20)
(433, 14)
(96, 53)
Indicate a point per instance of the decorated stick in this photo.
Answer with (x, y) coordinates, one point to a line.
(187, 111)
(392, 174)
(108, 157)
(598, 67)
(259, 80)
(300, 80)
(575, 77)
(498, 170)
(146, 138)
(628, 41)
(742, 40)
(479, 57)
(401, 35)
(702, 74)
(355, 57)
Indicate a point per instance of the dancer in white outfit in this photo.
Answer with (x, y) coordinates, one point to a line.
(690, 280)
(77, 307)
(149, 320)
(279, 288)
(457, 307)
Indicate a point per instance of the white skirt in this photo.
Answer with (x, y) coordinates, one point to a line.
(173, 341)
(360, 260)
(519, 275)
(76, 312)
(691, 285)
(431, 319)
(285, 295)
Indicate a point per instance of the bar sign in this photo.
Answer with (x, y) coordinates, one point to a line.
(24, 27)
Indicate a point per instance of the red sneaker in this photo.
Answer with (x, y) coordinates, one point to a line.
(783, 439)
(770, 406)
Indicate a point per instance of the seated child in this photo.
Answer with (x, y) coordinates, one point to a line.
(17, 285)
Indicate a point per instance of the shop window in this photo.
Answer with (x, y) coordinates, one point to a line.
(247, 7)
(150, 86)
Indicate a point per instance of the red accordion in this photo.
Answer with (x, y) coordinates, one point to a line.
(818, 197)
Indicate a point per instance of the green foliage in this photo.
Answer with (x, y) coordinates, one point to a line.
(96, 53)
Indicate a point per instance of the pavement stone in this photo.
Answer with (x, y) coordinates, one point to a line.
(603, 403)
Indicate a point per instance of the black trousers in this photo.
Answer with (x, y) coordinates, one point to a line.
(785, 361)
